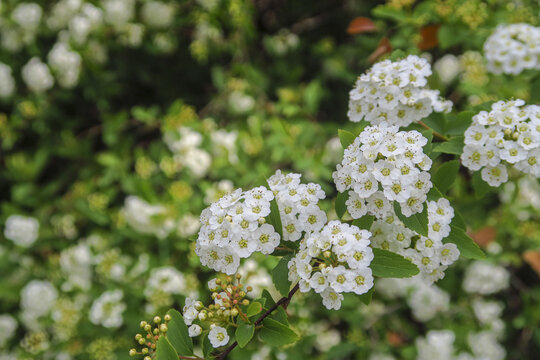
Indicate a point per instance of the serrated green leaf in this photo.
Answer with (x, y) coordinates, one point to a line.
(178, 334)
(280, 276)
(207, 347)
(457, 124)
(391, 265)
(254, 308)
(453, 146)
(269, 301)
(281, 316)
(346, 138)
(446, 175)
(481, 188)
(434, 194)
(467, 247)
(164, 350)
(274, 218)
(436, 121)
(244, 333)
(275, 333)
(341, 208)
(417, 222)
(364, 222)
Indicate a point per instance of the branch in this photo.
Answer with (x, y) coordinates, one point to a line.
(436, 134)
(283, 302)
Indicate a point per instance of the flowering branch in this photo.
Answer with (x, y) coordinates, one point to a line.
(283, 302)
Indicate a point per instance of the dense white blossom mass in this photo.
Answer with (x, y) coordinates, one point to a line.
(396, 93)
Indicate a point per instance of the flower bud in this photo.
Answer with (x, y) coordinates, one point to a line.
(249, 288)
(245, 302)
(157, 320)
(148, 327)
(262, 221)
(141, 341)
(202, 316)
(227, 313)
(327, 254)
(132, 352)
(145, 350)
(167, 318)
(163, 328)
(234, 312)
(147, 358)
(138, 336)
(143, 324)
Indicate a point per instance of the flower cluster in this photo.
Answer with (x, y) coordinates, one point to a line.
(298, 205)
(395, 92)
(234, 227)
(147, 218)
(185, 144)
(229, 297)
(108, 308)
(429, 253)
(22, 230)
(508, 134)
(513, 48)
(394, 159)
(333, 261)
(485, 278)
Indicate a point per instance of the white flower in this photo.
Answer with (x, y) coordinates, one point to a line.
(513, 48)
(194, 330)
(7, 83)
(8, 325)
(447, 67)
(37, 76)
(331, 299)
(218, 336)
(508, 135)
(27, 16)
(143, 217)
(165, 280)
(66, 64)
(394, 92)
(76, 264)
(158, 14)
(107, 309)
(485, 278)
(38, 297)
(22, 230)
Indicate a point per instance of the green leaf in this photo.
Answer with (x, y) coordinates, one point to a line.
(467, 247)
(280, 276)
(346, 138)
(458, 221)
(254, 308)
(481, 188)
(275, 333)
(436, 121)
(178, 334)
(434, 194)
(281, 316)
(366, 298)
(269, 301)
(364, 222)
(206, 347)
(274, 218)
(244, 333)
(446, 175)
(341, 208)
(453, 146)
(457, 124)
(164, 350)
(417, 222)
(391, 265)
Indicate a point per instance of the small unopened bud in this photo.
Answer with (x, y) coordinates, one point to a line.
(141, 341)
(262, 221)
(219, 312)
(238, 276)
(148, 327)
(245, 302)
(157, 320)
(322, 266)
(156, 331)
(229, 279)
(249, 288)
(163, 328)
(327, 254)
(167, 318)
(147, 358)
(515, 135)
(143, 324)
(132, 352)
(210, 314)
(229, 218)
(507, 132)
(227, 313)
(218, 281)
(234, 312)
(138, 336)
(242, 293)
(198, 305)
(202, 316)
(145, 350)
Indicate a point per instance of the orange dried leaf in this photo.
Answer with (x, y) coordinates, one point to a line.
(394, 338)
(383, 48)
(429, 37)
(361, 25)
(484, 236)
(533, 259)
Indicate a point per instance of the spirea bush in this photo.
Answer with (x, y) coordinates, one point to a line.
(228, 179)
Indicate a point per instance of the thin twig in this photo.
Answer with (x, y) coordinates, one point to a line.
(283, 302)
(436, 134)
